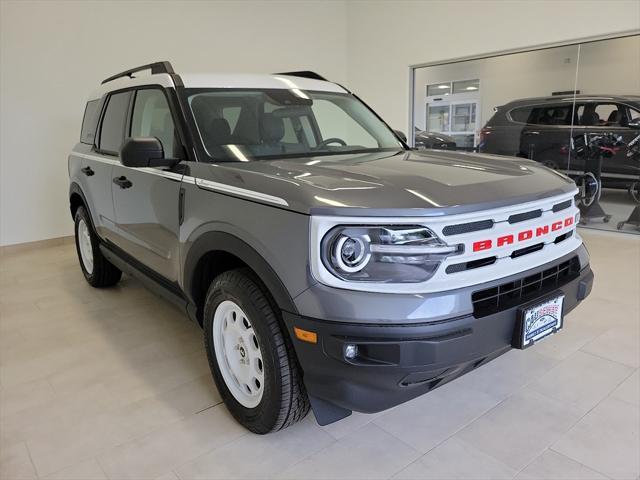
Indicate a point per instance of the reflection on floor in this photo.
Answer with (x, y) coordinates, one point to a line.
(619, 204)
(114, 384)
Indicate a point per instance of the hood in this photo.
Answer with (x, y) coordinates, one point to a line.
(401, 183)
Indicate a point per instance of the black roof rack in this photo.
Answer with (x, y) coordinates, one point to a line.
(304, 74)
(156, 67)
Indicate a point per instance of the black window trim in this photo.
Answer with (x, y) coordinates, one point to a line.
(174, 116)
(102, 115)
(97, 123)
(578, 103)
(174, 107)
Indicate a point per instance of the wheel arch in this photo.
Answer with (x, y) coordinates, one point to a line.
(213, 253)
(77, 199)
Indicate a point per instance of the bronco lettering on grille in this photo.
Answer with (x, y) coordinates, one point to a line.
(522, 236)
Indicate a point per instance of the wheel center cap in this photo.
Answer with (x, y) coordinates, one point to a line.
(242, 352)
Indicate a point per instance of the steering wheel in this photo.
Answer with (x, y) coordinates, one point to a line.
(328, 141)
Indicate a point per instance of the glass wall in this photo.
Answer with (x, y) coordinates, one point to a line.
(573, 108)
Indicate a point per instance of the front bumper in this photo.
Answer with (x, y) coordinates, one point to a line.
(397, 362)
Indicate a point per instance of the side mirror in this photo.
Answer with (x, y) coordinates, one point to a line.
(400, 135)
(144, 152)
(635, 124)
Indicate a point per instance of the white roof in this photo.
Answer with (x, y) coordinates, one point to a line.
(221, 80)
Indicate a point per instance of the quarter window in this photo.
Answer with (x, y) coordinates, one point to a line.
(520, 115)
(89, 122)
(112, 130)
(152, 118)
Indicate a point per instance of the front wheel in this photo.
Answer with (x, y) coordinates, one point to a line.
(251, 358)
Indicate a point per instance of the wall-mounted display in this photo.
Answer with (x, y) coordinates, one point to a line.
(574, 108)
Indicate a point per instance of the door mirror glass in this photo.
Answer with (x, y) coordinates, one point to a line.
(142, 152)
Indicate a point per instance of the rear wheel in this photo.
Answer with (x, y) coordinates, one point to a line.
(251, 358)
(97, 270)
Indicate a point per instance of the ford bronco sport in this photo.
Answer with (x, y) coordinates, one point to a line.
(330, 266)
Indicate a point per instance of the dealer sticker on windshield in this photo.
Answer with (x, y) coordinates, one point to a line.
(538, 321)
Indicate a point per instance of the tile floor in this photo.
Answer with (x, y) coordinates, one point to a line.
(114, 384)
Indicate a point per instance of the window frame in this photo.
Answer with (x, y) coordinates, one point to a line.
(132, 104)
(105, 107)
(96, 118)
(181, 125)
(201, 154)
(533, 106)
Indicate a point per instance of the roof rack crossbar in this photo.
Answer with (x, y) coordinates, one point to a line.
(156, 67)
(304, 74)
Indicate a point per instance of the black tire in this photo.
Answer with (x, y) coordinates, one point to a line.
(104, 273)
(284, 400)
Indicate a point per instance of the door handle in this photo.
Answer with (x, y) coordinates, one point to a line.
(122, 182)
(87, 171)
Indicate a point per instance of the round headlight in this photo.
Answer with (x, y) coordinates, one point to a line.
(350, 254)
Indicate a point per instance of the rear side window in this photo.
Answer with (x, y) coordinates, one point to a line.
(520, 115)
(608, 115)
(90, 122)
(551, 115)
(113, 122)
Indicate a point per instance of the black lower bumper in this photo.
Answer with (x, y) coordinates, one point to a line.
(396, 363)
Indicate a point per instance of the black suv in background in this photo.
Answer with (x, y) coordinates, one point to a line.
(431, 140)
(541, 128)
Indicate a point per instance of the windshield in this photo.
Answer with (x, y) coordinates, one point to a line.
(275, 123)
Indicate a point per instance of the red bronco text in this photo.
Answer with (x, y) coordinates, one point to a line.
(522, 236)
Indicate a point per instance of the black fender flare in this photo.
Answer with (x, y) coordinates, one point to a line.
(74, 188)
(228, 243)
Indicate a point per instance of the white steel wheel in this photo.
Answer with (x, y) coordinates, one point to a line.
(238, 354)
(86, 249)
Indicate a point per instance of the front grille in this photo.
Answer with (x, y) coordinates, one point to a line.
(467, 227)
(527, 250)
(561, 206)
(511, 294)
(461, 267)
(563, 237)
(521, 217)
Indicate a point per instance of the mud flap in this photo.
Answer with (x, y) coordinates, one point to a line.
(326, 412)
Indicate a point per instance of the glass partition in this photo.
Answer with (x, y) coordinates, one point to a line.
(573, 108)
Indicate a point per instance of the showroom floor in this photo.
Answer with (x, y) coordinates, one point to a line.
(115, 384)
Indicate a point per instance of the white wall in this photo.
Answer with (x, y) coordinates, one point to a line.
(605, 67)
(53, 53)
(384, 38)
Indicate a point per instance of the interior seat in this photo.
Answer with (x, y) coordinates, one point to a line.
(590, 118)
(216, 136)
(271, 133)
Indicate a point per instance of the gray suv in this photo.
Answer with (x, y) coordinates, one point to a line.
(330, 266)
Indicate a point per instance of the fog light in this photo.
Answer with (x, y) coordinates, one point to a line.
(350, 351)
